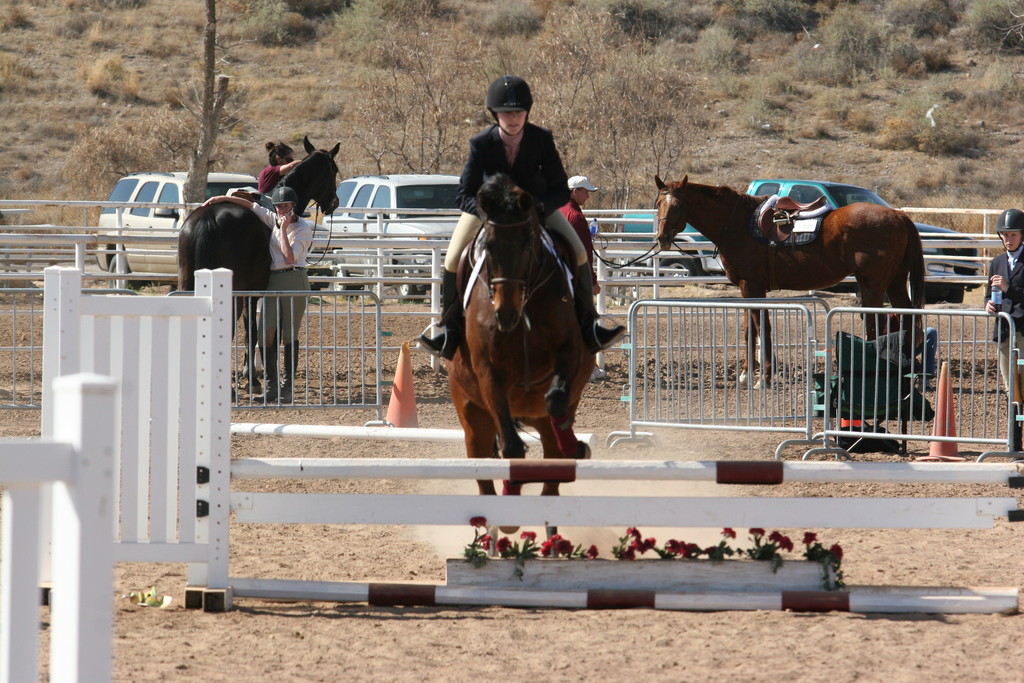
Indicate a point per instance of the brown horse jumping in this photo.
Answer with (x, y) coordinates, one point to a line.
(878, 245)
(522, 358)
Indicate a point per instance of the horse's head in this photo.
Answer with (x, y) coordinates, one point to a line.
(671, 210)
(510, 229)
(316, 177)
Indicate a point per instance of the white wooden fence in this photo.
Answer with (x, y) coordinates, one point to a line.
(79, 460)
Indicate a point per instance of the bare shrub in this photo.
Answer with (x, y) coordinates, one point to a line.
(921, 17)
(717, 49)
(862, 121)
(15, 75)
(14, 17)
(102, 34)
(109, 78)
(352, 33)
(271, 22)
(507, 19)
(938, 56)
(930, 124)
(74, 24)
(412, 113)
(993, 24)
(162, 141)
(852, 43)
(318, 8)
(753, 17)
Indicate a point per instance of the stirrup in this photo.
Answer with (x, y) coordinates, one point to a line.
(441, 346)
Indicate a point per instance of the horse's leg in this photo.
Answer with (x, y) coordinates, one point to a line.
(251, 324)
(871, 297)
(479, 434)
(751, 363)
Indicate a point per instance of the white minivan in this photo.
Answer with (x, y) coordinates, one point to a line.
(160, 188)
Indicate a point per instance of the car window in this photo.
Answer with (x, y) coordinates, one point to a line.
(805, 194)
(850, 194)
(169, 194)
(382, 200)
(219, 189)
(426, 197)
(146, 193)
(344, 191)
(767, 189)
(361, 200)
(122, 192)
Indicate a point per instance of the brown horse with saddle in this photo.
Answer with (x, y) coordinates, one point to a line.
(522, 359)
(878, 245)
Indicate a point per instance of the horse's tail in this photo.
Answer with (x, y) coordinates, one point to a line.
(913, 259)
(186, 254)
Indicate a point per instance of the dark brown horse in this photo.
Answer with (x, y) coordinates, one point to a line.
(227, 235)
(878, 245)
(522, 358)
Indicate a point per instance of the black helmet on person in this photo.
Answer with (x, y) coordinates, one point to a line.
(284, 195)
(508, 93)
(1011, 219)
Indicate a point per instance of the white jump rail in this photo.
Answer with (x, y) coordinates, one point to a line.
(372, 433)
(79, 461)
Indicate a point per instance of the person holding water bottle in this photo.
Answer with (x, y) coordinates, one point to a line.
(1005, 289)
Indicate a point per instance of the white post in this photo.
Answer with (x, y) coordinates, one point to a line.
(213, 449)
(82, 620)
(19, 588)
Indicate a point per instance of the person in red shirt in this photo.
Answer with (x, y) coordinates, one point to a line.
(580, 188)
(280, 160)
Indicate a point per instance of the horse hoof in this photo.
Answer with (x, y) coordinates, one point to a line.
(582, 451)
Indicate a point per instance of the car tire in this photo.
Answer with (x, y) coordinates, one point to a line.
(111, 256)
(690, 265)
(407, 290)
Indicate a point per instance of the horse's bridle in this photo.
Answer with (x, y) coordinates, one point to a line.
(529, 283)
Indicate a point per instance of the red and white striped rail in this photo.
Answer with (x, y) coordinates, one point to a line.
(866, 599)
(564, 470)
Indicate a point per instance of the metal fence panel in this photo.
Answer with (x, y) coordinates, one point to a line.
(686, 358)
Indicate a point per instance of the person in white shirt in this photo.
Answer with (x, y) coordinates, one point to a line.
(291, 237)
(1005, 290)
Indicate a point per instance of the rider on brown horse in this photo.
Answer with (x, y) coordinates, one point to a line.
(526, 153)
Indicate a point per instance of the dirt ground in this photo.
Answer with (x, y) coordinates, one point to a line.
(261, 640)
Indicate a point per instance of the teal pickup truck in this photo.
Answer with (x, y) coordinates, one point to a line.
(841, 194)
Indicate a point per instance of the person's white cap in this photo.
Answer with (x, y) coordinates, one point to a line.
(581, 181)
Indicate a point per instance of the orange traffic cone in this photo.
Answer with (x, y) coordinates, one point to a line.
(945, 422)
(402, 407)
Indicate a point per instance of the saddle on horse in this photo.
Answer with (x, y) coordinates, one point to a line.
(779, 217)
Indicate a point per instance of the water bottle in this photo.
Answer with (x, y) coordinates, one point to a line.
(593, 227)
(997, 296)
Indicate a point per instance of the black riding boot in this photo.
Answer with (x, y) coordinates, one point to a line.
(596, 338)
(270, 375)
(446, 343)
(291, 362)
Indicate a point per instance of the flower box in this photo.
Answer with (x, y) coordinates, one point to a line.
(654, 574)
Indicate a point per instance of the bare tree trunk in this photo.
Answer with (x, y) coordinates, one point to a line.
(214, 95)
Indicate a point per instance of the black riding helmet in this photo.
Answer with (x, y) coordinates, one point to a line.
(1011, 219)
(508, 93)
(284, 195)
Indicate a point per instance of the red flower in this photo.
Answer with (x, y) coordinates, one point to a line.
(563, 546)
(836, 550)
(757, 532)
(592, 552)
(478, 521)
(786, 544)
(634, 532)
(728, 533)
(504, 544)
(810, 537)
(692, 550)
(674, 547)
(649, 543)
(629, 553)
(485, 541)
(529, 535)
